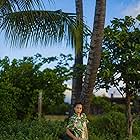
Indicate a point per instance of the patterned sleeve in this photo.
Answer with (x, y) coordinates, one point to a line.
(85, 117)
(71, 124)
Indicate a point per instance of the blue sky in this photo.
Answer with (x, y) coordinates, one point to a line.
(115, 8)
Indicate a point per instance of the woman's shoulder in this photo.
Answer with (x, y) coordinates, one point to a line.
(73, 116)
(83, 115)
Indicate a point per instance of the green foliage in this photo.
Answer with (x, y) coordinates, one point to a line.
(12, 6)
(121, 59)
(136, 128)
(21, 81)
(59, 109)
(102, 105)
(7, 111)
(110, 126)
(30, 130)
(121, 55)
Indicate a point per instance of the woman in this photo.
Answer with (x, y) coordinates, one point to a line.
(77, 125)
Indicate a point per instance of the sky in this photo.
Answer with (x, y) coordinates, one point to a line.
(115, 8)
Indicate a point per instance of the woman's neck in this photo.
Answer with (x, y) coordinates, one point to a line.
(78, 114)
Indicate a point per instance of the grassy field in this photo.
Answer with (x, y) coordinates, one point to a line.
(56, 117)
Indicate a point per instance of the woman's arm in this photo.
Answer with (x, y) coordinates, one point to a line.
(71, 135)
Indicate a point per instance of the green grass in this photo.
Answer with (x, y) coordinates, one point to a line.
(56, 117)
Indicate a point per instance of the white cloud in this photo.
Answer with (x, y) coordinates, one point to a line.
(115, 92)
(101, 92)
(132, 10)
(67, 96)
(67, 93)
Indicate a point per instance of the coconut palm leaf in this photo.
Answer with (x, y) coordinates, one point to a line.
(7, 6)
(45, 27)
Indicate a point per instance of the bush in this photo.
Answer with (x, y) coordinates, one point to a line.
(110, 126)
(136, 128)
(7, 111)
(31, 130)
(59, 109)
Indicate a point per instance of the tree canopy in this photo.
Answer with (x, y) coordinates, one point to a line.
(21, 80)
(121, 55)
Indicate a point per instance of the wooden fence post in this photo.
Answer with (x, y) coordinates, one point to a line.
(40, 104)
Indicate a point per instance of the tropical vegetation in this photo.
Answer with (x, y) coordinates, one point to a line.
(22, 81)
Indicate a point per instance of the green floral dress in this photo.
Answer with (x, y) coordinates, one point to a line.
(78, 125)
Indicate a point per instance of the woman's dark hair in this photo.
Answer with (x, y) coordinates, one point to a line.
(77, 103)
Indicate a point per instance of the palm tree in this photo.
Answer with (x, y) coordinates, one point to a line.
(45, 27)
(77, 72)
(94, 54)
(22, 23)
(8, 6)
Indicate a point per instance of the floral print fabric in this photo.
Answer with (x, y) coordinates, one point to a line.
(78, 125)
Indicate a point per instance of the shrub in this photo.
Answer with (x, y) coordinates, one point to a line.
(111, 126)
(31, 130)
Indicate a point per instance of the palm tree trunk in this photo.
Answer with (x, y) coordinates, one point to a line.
(94, 54)
(78, 73)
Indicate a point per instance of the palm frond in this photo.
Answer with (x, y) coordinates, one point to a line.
(45, 27)
(8, 6)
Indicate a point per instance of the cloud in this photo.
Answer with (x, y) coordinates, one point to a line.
(132, 10)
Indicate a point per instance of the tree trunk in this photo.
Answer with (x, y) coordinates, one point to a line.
(94, 54)
(78, 73)
(129, 116)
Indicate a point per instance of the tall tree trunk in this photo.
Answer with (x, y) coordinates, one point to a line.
(78, 73)
(94, 54)
(128, 114)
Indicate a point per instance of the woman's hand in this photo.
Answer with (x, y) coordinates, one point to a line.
(76, 138)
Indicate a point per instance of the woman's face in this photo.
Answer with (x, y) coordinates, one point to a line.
(78, 109)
